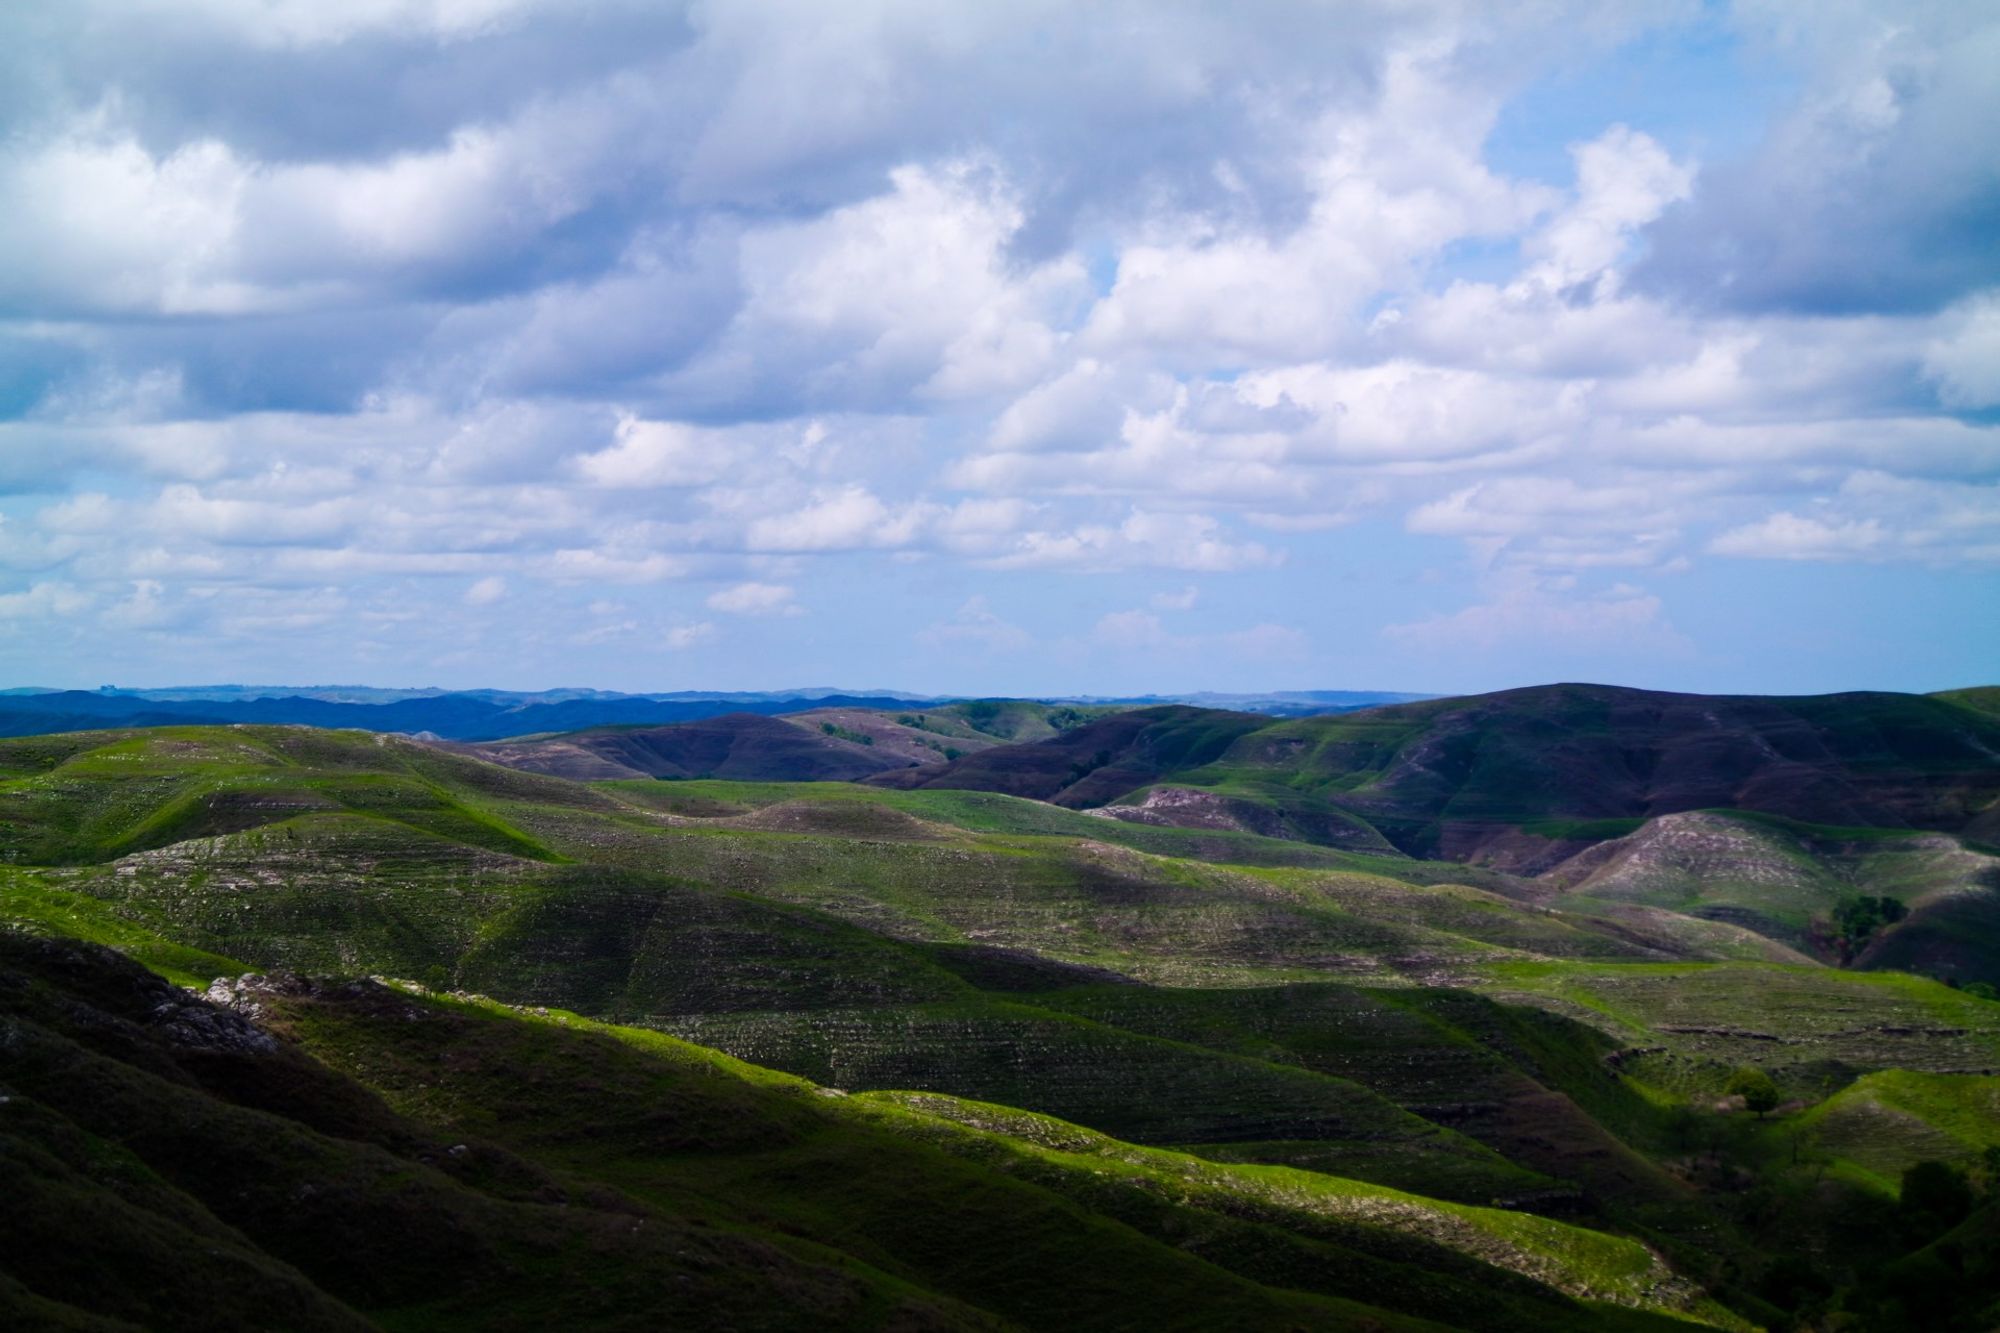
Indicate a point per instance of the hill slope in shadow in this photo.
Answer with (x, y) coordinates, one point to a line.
(1522, 778)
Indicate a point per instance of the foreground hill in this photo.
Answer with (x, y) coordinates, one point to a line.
(359, 1154)
(1254, 1027)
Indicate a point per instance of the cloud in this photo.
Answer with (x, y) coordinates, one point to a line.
(1624, 179)
(976, 625)
(1141, 632)
(907, 296)
(1964, 361)
(755, 599)
(1559, 523)
(1788, 536)
(1144, 540)
(43, 601)
(297, 23)
(260, 615)
(1400, 411)
(1877, 516)
(678, 638)
(1130, 631)
(668, 297)
(438, 302)
(109, 226)
(1522, 609)
(610, 631)
(102, 223)
(582, 565)
(1875, 191)
(486, 591)
(657, 453)
(1386, 187)
(846, 519)
(1082, 408)
(146, 607)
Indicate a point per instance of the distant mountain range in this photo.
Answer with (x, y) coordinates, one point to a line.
(477, 715)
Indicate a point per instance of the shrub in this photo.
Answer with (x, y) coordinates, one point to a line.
(1858, 919)
(1755, 1087)
(1936, 1197)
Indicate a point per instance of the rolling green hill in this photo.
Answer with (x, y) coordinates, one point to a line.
(1787, 881)
(1758, 813)
(1251, 1052)
(363, 1155)
(1522, 778)
(820, 744)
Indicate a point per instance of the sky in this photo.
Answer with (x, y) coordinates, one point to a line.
(1038, 348)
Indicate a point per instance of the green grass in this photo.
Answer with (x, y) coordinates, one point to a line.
(989, 812)
(1496, 775)
(1251, 1044)
(1782, 880)
(162, 1181)
(1532, 1087)
(1814, 1029)
(1886, 1122)
(1370, 1232)
(1143, 1087)
(1584, 1264)
(1979, 699)
(28, 904)
(1749, 872)
(136, 791)
(1818, 833)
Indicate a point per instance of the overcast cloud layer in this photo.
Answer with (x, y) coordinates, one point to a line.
(1003, 348)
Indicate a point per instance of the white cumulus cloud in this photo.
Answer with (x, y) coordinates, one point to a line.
(755, 599)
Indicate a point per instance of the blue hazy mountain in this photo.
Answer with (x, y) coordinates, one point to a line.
(474, 715)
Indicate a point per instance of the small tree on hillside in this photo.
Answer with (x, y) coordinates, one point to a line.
(1755, 1087)
(1858, 919)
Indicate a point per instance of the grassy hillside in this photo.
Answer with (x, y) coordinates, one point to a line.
(1313, 1032)
(172, 1166)
(1095, 763)
(836, 743)
(1014, 720)
(736, 745)
(1980, 698)
(1885, 1123)
(1523, 778)
(567, 1174)
(1786, 880)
